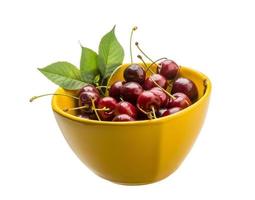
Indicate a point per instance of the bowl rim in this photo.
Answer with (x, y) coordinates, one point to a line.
(56, 109)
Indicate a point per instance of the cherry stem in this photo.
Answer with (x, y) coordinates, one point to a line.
(130, 43)
(138, 47)
(102, 93)
(154, 113)
(102, 86)
(155, 62)
(121, 99)
(163, 89)
(187, 102)
(143, 111)
(94, 108)
(76, 108)
(172, 81)
(99, 87)
(102, 109)
(66, 95)
(147, 68)
(86, 106)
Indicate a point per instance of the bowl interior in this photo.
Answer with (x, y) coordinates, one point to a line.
(59, 103)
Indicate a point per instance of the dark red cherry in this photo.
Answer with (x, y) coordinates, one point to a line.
(130, 91)
(115, 90)
(85, 98)
(161, 111)
(165, 112)
(168, 103)
(124, 107)
(168, 69)
(174, 110)
(159, 79)
(108, 103)
(93, 116)
(141, 115)
(147, 100)
(134, 73)
(171, 111)
(123, 118)
(89, 88)
(181, 100)
(187, 87)
(161, 94)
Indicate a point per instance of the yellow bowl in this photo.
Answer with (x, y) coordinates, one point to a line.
(138, 152)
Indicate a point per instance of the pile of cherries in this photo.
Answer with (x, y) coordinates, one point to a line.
(139, 97)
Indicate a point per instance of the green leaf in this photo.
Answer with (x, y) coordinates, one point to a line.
(63, 74)
(111, 54)
(88, 65)
(97, 79)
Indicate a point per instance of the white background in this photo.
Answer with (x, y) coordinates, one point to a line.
(214, 37)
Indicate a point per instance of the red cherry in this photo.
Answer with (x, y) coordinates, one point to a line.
(171, 111)
(87, 116)
(89, 88)
(93, 116)
(161, 111)
(174, 110)
(161, 94)
(185, 86)
(107, 103)
(125, 107)
(130, 91)
(123, 118)
(168, 103)
(165, 112)
(134, 73)
(115, 90)
(141, 115)
(86, 98)
(147, 100)
(181, 100)
(168, 69)
(159, 79)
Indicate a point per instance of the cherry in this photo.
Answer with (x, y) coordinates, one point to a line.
(161, 94)
(88, 88)
(147, 100)
(171, 111)
(123, 118)
(93, 116)
(134, 73)
(141, 115)
(168, 69)
(181, 100)
(115, 90)
(125, 107)
(161, 111)
(174, 110)
(165, 112)
(150, 82)
(85, 98)
(108, 105)
(130, 91)
(186, 86)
